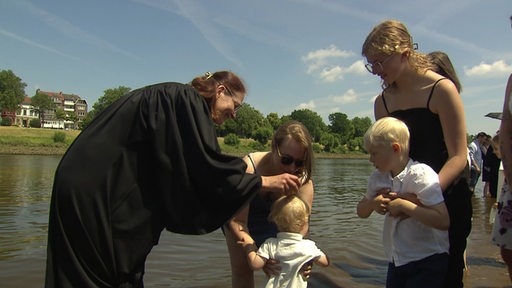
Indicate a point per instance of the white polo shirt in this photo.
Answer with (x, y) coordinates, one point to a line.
(407, 240)
(292, 252)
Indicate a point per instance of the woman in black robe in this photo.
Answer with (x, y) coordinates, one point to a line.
(149, 161)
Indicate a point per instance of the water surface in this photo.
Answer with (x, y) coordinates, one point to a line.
(353, 244)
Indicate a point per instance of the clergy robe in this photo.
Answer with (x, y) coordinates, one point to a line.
(150, 161)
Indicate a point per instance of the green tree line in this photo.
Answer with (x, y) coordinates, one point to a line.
(340, 135)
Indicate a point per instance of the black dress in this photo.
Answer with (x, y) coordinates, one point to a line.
(491, 170)
(427, 146)
(150, 161)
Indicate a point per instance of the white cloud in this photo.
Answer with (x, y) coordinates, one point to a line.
(496, 69)
(322, 54)
(309, 105)
(319, 59)
(331, 74)
(357, 68)
(349, 97)
(325, 64)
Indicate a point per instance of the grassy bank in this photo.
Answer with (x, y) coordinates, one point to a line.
(35, 141)
(16, 140)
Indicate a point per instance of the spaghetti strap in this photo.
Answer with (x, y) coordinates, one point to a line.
(432, 92)
(252, 162)
(384, 101)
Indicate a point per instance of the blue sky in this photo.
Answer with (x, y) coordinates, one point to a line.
(292, 54)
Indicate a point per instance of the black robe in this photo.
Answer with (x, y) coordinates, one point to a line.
(150, 161)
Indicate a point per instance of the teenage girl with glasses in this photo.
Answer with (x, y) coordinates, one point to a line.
(425, 101)
(291, 152)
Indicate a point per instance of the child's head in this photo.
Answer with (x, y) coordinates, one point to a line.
(289, 213)
(386, 138)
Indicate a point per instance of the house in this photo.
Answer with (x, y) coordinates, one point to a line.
(25, 113)
(74, 107)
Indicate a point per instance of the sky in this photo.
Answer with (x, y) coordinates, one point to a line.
(292, 54)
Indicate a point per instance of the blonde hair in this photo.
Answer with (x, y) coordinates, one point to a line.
(297, 131)
(289, 213)
(391, 36)
(386, 131)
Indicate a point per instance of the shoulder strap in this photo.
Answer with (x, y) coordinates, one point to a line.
(384, 101)
(252, 162)
(432, 92)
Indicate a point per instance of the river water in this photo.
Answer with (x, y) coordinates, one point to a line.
(353, 244)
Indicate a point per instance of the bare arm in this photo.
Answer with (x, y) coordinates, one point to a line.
(255, 261)
(366, 206)
(435, 216)
(378, 108)
(323, 260)
(238, 224)
(447, 103)
(307, 193)
(506, 135)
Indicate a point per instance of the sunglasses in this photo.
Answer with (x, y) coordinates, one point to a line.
(288, 160)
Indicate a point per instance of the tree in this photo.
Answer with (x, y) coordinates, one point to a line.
(109, 97)
(247, 121)
(330, 141)
(60, 114)
(361, 125)
(312, 121)
(41, 103)
(263, 134)
(273, 120)
(341, 125)
(12, 91)
(72, 117)
(35, 123)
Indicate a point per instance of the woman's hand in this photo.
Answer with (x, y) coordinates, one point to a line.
(306, 269)
(286, 184)
(272, 268)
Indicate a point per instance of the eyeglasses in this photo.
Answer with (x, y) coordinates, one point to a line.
(376, 67)
(288, 160)
(237, 105)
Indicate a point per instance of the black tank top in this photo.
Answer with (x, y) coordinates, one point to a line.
(427, 143)
(259, 226)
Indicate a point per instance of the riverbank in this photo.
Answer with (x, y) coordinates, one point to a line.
(38, 141)
(34, 141)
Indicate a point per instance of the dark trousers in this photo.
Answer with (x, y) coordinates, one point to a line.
(458, 201)
(425, 273)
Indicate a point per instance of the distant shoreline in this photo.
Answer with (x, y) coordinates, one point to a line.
(38, 141)
(6, 149)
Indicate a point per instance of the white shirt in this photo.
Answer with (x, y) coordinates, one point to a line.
(475, 153)
(409, 240)
(292, 252)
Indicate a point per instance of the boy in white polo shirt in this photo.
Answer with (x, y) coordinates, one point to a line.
(415, 235)
(291, 216)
